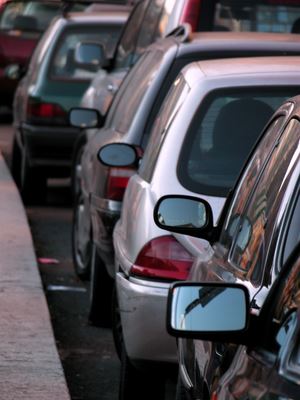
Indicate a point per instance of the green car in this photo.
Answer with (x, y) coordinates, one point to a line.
(68, 56)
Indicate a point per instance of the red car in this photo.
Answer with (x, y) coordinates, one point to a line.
(22, 22)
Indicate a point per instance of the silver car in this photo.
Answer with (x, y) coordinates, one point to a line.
(130, 120)
(200, 140)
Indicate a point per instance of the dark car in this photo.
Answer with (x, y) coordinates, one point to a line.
(22, 23)
(130, 120)
(55, 82)
(255, 235)
(267, 365)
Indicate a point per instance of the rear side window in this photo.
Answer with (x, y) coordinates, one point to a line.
(132, 91)
(63, 64)
(169, 109)
(221, 136)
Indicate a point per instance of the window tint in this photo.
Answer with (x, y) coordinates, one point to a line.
(167, 113)
(249, 179)
(221, 136)
(129, 97)
(127, 44)
(263, 206)
(259, 15)
(293, 235)
(63, 63)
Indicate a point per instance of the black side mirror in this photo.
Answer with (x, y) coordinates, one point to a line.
(85, 118)
(186, 215)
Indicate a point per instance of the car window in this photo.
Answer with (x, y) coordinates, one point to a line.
(221, 136)
(37, 15)
(128, 98)
(63, 65)
(293, 234)
(127, 44)
(169, 109)
(259, 15)
(149, 29)
(248, 251)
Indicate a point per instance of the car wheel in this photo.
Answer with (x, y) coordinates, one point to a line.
(137, 384)
(116, 323)
(76, 169)
(81, 241)
(101, 285)
(33, 183)
(16, 162)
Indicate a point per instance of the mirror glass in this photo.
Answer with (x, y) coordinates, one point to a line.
(208, 308)
(13, 71)
(117, 155)
(180, 212)
(84, 118)
(89, 53)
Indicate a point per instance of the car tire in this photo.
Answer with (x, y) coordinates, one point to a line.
(81, 258)
(136, 384)
(116, 323)
(76, 167)
(101, 285)
(16, 162)
(33, 183)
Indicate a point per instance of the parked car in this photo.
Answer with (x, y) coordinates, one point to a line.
(156, 18)
(256, 233)
(98, 204)
(56, 79)
(202, 135)
(149, 21)
(21, 25)
(266, 365)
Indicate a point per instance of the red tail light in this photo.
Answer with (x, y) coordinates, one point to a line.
(214, 396)
(117, 181)
(46, 113)
(165, 258)
(191, 13)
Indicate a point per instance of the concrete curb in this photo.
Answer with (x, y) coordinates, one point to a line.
(30, 367)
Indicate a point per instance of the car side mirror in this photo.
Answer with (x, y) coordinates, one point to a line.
(186, 215)
(208, 311)
(85, 118)
(90, 55)
(14, 72)
(120, 155)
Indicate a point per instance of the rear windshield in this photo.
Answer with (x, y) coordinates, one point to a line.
(257, 15)
(31, 15)
(222, 135)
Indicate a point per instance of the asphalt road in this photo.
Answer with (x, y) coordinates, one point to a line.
(88, 356)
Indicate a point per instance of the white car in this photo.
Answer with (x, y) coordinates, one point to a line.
(210, 120)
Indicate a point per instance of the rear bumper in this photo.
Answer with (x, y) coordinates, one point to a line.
(143, 307)
(49, 147)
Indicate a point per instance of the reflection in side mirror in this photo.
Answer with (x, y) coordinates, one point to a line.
(90, 54)
(13, 71)
(84, 118)
(118, 155)
(184, 214)
(197, 309)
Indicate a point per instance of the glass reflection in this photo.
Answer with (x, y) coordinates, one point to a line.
(84, 118)
(117, 155)
(184, 213)
(208, 308)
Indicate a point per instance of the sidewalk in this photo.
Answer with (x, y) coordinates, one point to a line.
(30, 368)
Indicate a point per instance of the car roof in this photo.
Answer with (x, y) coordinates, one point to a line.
(246, 41)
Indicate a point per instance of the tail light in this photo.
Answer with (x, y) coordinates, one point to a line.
(165, 258)
(117, 181)
(46, 113)
(191, 13)
(214, 396)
